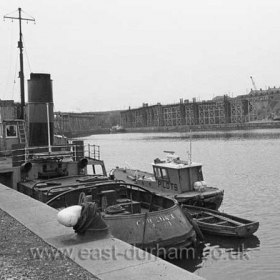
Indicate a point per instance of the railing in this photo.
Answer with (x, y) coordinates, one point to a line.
(92, 151)
(69, 151)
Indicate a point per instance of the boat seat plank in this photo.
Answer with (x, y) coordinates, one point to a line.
(204, 218)
(221, 223)
(225, 219)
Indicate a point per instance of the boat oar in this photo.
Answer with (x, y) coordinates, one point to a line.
(145, 219)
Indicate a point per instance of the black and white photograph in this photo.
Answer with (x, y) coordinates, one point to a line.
(139, 139)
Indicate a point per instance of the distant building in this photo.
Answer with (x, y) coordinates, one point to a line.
(258, 105)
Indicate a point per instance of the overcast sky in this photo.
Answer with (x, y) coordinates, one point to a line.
(112, 54)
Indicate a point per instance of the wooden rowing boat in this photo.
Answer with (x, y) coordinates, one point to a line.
(218, 223)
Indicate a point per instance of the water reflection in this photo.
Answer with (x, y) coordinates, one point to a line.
(191, 262)
(234, 244)
(226, 135)
(242, 164)
(219, 248)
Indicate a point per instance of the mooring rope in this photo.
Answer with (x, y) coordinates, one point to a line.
(90, 219)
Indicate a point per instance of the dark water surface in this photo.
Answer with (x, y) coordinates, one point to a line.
(246, 164)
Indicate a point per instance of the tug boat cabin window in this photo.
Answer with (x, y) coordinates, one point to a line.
(11, 131)
(161, 173)
(95, 169)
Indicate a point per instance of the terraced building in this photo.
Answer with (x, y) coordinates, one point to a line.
(257, 106)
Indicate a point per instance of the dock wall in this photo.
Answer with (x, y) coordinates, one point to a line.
(216, 127)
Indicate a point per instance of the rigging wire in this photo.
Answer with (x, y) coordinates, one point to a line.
(20, 18)
(26, 54)
(11, 13)
(24, 12)
(14, 82)
(12, 57)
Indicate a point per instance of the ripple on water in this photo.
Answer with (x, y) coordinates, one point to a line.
(246, 166)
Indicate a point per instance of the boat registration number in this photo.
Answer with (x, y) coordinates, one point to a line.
(167, 185)
(164, 219)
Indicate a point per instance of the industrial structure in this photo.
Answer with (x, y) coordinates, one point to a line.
(257, 106)
(78, 124)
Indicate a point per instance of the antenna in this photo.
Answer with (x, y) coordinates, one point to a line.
(49, 130)
(190, 152)
(20, 46)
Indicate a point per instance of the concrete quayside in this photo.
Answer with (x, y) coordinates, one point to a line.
(119, 260)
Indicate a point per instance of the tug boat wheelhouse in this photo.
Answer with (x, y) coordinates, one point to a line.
(173, 177)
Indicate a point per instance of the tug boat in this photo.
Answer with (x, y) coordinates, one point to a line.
(60, 177)
(60, 174)
(134, 215)
(174, 178)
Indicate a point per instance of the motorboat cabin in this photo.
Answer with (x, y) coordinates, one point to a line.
(176, 178)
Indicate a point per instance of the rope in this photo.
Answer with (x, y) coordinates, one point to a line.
(11, 56)
(82, 198)
(144, 229)
(25, 50)
(90, 219)
(15, 11)
(24, 12)
(193, 223)
(13, 90)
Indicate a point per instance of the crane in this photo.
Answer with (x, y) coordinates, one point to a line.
(254, 84)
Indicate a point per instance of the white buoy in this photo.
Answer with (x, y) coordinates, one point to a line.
(197, 185)
(69, 216)
(203, 183)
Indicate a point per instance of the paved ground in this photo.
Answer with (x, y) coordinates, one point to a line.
(17, 261)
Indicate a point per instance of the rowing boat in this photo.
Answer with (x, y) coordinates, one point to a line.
(218, 223)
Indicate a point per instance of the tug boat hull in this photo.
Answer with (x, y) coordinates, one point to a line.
(141, 218)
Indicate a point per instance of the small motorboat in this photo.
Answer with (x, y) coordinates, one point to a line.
(117, 129)
(175, 178)
(218, 223)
